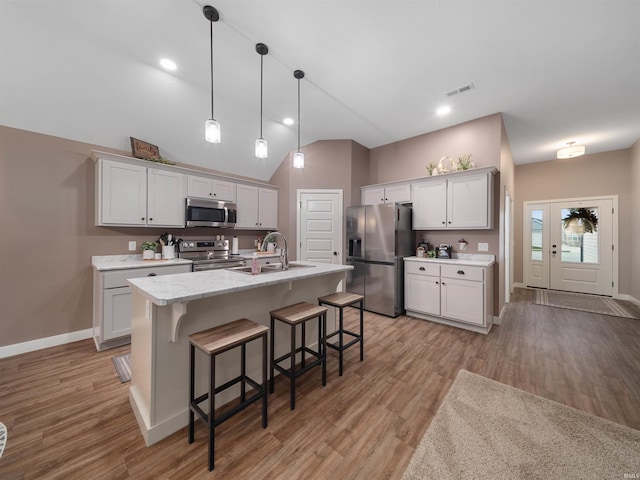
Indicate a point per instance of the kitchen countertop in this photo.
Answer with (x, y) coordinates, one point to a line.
(470, 259)
(185, 287)
(122, 262)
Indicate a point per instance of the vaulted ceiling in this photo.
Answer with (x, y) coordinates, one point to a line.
(376, 71)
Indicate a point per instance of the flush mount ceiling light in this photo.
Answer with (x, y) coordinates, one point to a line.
(571, 151)
(261, 143)
(211, 126)
(298, 157)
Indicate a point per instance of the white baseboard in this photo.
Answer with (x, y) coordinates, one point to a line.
(624, 296)
(39, 344)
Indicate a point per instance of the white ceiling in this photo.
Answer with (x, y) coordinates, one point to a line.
(376, 71)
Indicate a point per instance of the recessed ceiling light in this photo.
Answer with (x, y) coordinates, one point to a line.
(443, 110)
(168, 64)
(288, 121)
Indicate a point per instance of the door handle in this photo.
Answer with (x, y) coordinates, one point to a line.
(335, 253)
(554, 252)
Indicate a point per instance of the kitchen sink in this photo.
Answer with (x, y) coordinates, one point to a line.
(270, 268)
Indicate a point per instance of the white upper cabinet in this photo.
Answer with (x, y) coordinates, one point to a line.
(257, 207)
(134, 192)
(165, 198)
(210, 187)
(386, 194)
(461, 201)
(135, 195)
(429, 200)
(121, 194)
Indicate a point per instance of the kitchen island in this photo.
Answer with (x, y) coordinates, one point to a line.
(167, 309)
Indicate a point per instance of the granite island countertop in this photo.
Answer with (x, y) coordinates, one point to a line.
(470, 259)
(185, 287)
(122, 262)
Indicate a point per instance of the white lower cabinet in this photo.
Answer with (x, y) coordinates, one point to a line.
(112, 302)
(458, 295)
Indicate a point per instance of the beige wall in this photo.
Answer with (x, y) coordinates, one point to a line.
(634, 220)
(330, 164)
(48, 235)
(409, 158)
(587, 176)
(485, 139)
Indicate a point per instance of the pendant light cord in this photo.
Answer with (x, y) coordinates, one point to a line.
(298, 114)
(261, 70)
(211, 39)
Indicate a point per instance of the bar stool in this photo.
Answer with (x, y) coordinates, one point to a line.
(341, 300)
(213, 342)
(293, 315)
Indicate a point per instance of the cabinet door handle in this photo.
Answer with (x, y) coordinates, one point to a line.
(437, 283)
(443, 283)
(142, 218)
(421, 268)
(460, 272)
(443, 223)
(151, 275)
(150, 219)
(449, 221)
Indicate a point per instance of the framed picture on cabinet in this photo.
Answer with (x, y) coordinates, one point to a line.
(143, 150)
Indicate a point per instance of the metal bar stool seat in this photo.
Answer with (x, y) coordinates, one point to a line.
(213, 342)
(341, 300)
(293, 315)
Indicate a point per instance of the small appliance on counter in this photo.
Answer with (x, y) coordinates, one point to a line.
(444, 250)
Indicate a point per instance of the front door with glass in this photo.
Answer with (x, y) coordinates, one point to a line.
(569, 245)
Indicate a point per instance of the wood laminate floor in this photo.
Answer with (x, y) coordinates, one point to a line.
(69, 417)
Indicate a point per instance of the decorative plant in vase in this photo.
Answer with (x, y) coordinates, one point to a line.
(148, 250)
(431, 169)
(465, 163)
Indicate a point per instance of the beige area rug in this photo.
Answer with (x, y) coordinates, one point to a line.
(487, 430)
(585, 303)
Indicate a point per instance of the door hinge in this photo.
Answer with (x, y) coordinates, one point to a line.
(613, 247)
(300, 205)
(612, 284)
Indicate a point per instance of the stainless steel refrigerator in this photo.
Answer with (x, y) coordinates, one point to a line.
(378, 238)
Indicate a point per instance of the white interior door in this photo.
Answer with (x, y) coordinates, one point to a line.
(581, 258)
(320, 226)
(562, 251)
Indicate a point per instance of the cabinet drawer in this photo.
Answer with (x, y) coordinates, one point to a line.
(118, 278)
(463, 272)
(422, 268)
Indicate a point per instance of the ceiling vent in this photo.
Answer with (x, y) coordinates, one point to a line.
(463, 89)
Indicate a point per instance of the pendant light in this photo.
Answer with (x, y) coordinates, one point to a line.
(211, 126)
(298, 157)
(261, 143)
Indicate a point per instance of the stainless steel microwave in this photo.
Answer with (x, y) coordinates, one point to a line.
(210, 213)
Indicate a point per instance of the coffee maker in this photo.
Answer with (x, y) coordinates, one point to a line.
(444, 250)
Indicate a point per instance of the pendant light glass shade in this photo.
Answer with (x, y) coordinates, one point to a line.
(298, 160)
(298, 157)
(261, 148)
(211, 126)
(261, 143)
(212, 131)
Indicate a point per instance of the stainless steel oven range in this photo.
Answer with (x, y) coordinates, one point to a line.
(209, 254)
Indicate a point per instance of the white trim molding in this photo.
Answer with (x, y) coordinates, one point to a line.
(40, 343)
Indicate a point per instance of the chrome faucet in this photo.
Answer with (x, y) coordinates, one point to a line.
(284, 252)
